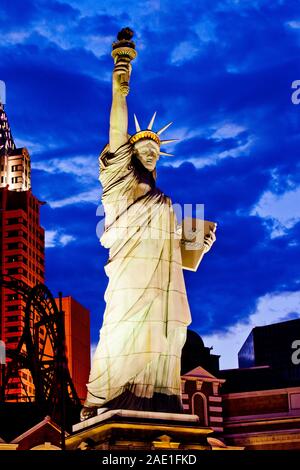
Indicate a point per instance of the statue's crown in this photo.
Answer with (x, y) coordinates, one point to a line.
(149, 134)
(145, 135)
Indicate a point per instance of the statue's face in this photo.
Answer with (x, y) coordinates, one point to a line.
(147, 151)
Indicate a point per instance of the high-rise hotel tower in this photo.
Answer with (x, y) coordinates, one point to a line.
(22, 245)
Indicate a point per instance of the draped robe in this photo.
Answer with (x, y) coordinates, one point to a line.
(137, 361)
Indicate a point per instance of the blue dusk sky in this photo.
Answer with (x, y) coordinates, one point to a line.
(222, 70)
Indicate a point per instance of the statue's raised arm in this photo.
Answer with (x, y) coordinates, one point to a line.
(123, 53)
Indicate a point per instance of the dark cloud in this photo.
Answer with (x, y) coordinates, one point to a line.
(100, 25)
(12, 11)
(61, 104)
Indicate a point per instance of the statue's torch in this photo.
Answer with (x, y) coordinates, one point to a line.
(124, 48)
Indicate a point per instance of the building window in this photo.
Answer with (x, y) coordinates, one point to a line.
(16, 168)
(13, 221)
(13, 271)
(13, 233)
(199, 408)
(16, 179)
(12, 297)
(12, 246)
(13, 329)
(13, 386)
(12, 259)
(11, 308)
(13, 318)
(12, 339)
(13, 397)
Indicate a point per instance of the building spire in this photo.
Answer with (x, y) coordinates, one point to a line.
(14, 162)
(7, 144)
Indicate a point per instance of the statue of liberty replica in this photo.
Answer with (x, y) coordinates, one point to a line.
(137, 361)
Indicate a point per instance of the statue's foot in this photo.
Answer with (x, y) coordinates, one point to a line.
(88, 412)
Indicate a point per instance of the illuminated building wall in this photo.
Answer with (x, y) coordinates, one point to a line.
(15, 170)
(77, 328)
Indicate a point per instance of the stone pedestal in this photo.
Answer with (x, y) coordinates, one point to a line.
(139, 430)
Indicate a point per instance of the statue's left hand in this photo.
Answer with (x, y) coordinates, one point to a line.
(121, 75)
(209, 240)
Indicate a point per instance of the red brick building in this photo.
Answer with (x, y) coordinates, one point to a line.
(77, 328)
(263, 419)
(201, 396)
(261, 399)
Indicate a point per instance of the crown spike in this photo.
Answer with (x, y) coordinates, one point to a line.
(163, 129)
(137, 126)
(150, 125)
(166, 154)
(170, 141)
